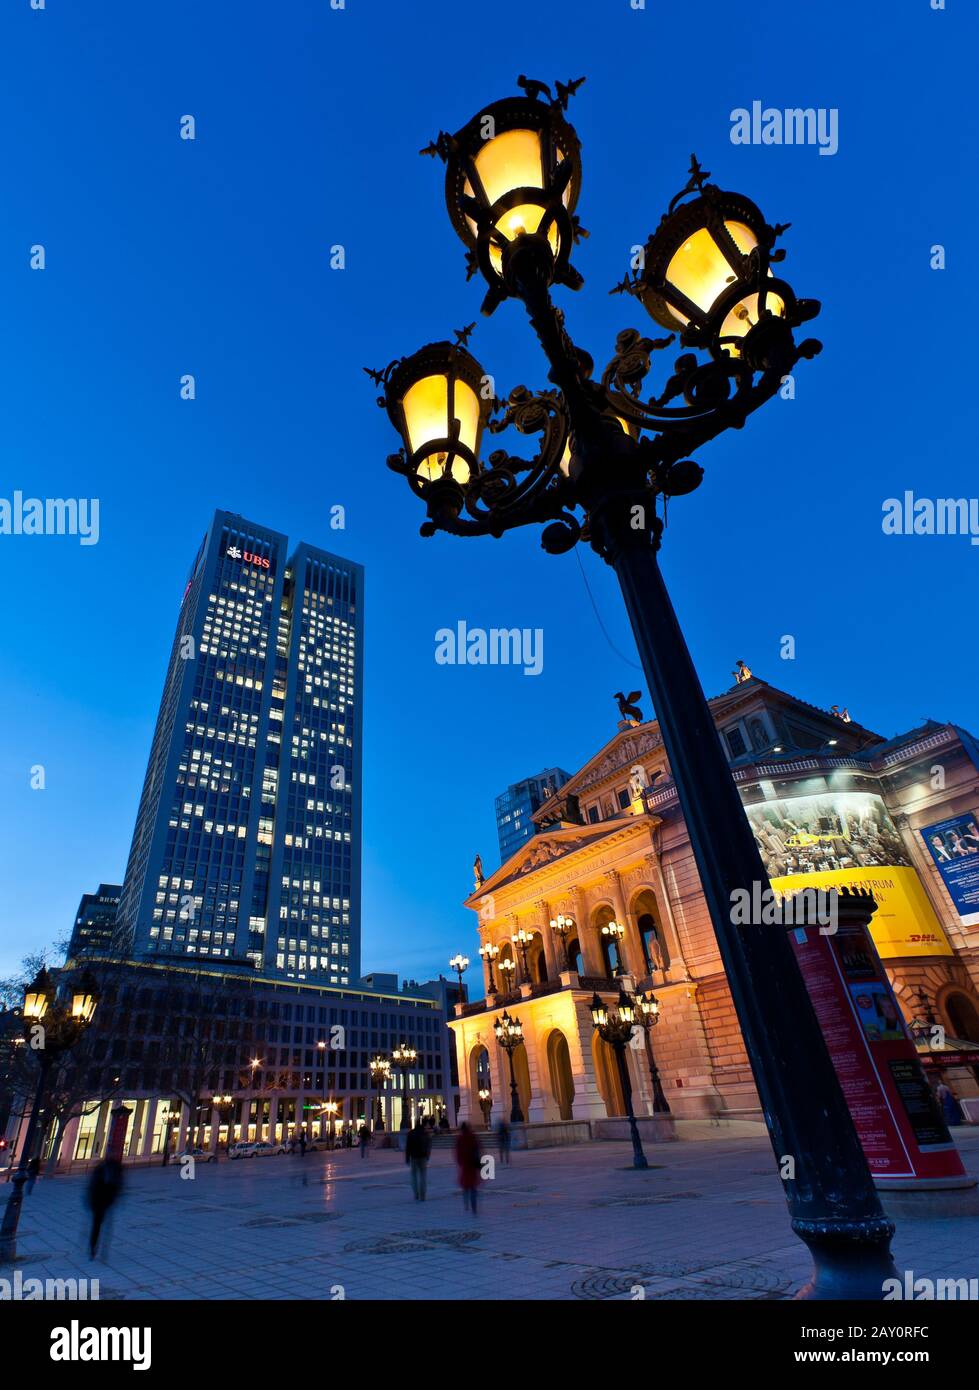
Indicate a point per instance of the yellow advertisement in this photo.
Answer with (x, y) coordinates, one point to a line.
(904, 923)
(832, 839)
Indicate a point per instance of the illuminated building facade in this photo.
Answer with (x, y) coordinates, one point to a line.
(247, 838)
(832, 804)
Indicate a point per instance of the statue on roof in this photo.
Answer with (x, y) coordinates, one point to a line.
(478, 873)
(741, 673)
(628, 708)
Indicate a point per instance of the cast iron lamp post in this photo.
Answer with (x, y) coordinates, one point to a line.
(615, 1028)
(513, 175)
(561, 927)
(508, 969)
(330, 1108)
(509, 1034)
(485, 1104)
(489, 954)
(51, 1028)
(647, 1015)
(225, 1106)
(380, 1074)
(460, 964)
(404, 1058)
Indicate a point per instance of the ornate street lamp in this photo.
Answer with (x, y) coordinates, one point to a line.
(509, 1034)
(460, 964)
(562, 927)
(522, 940)
(485, 1104)
(613, 933)
(52, 1027)
(648, 1015)
(706, 274)
(489, 954)
(615, 1028)
(225, 1106)
(380, 1075)
(330, 1108)
(404, 1058)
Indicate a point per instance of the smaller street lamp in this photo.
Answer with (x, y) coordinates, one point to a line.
(508, 969)
(562, 926)
(615, 1027)
(485, 1104)
(380, 1074)
(489, 954)
(460, 964)
(509, 1034)
(330, 1109)
(225, 1106)
(648, 1015)
(404, 1058)
(613, 932)
(522, 940)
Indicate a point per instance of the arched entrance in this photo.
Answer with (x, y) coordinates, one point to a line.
(559, 1071)
(608, 947)
(479, 1080)
(521, 1072)
(655, 948)
(607, 1076)
(536, 960)
(575, 956)
(962, 1016)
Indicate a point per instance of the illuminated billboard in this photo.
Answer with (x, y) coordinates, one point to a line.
(847, 838)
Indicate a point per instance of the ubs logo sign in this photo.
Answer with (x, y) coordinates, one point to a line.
(235, 553)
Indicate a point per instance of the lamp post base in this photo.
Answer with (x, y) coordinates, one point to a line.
(851, 1261)
(11, 1218)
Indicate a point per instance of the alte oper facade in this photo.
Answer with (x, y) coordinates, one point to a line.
(831, 802)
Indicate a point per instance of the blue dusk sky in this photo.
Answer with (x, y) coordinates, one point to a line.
(212, 257)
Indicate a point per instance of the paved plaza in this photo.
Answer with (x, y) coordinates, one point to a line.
(706, 1221)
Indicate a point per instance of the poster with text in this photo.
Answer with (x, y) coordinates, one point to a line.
(954, 846)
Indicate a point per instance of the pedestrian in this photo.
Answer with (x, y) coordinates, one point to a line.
(950, 1106)
(506, 1141)
(418, 1149)
(363, 1139)
(33, 1168)
(444, 1123)
(104, 1187)
(468, 1160)
(302, 1143)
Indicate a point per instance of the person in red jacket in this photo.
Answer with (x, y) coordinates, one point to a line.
(468, 1160)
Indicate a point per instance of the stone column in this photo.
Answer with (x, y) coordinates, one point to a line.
(587, 936)
(553, 956)
(634, 960)
(677, 964)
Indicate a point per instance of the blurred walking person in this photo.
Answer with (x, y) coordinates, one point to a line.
(468, 1159)
(418, 1149)
(506, 1141)
(103, 1190)
(363, 1139)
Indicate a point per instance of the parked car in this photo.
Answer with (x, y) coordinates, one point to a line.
(199, 1155)
(243, 1149)
(262, 1149)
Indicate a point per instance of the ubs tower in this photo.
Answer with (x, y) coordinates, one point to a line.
(247, 839)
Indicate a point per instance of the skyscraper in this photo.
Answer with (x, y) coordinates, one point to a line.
(247, 838)
(516, 805)
(95, 922)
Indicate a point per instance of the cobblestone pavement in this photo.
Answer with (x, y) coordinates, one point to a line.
(706, 1221)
